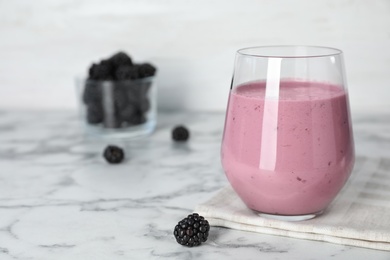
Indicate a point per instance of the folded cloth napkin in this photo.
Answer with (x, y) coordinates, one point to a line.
(360, 215)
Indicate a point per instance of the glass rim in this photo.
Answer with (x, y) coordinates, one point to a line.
(255, 51)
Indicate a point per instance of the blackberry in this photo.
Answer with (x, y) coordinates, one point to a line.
(92, 92)
(94, 113)
(146, 70)
(107, 63)
(144, 87)
(134, 93)
(113, 154)
(121, 99)
(127, 114)
(91, 71)
(192, 230)
(101, 71)
(180, 133)
(120, 59)
(137, 118)
(144, 105)
(126, 72)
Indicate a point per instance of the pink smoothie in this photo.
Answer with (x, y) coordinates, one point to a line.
(292, 155)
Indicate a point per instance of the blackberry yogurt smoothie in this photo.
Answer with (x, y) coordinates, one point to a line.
(290, 155)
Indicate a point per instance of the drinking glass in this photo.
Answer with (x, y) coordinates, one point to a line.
(122, 109)
(287, 147)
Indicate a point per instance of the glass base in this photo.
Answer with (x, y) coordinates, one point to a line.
(121, 133)
(289, 217)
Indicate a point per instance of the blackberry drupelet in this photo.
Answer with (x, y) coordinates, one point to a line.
(180, 133)
(113, 154)
(192, 230)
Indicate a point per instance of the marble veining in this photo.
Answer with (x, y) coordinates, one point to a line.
(60, 200)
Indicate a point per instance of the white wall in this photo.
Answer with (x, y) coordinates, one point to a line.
(44, 44)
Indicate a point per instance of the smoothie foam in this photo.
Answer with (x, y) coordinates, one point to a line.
(289, 155)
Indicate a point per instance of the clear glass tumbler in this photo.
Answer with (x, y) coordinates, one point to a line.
(287, 147)
(118, 109)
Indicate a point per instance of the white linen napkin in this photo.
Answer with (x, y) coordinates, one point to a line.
(360, 215)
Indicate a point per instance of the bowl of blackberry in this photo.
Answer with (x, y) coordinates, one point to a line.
(118, 98)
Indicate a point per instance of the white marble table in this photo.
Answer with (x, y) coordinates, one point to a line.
(60, 200)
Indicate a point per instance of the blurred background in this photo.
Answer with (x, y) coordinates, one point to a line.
(45, 44)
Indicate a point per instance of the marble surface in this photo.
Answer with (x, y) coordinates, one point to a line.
(60, 200)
